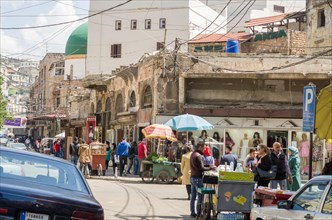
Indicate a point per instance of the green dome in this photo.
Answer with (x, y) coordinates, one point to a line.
(77, 41)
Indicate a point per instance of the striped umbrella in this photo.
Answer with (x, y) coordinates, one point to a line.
(159, 131)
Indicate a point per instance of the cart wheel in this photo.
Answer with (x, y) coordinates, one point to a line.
(207, 207)
(163, 177)
(100, 169)
(147, 176)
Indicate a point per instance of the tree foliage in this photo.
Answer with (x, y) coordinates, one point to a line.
(3, 105)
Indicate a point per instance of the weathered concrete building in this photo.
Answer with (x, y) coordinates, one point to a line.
(319, 26)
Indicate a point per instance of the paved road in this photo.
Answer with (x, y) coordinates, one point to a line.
(141, 201)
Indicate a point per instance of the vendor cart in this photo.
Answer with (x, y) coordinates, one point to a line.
(161, 171)
(270, 197)
(98, 153)
(231, 195)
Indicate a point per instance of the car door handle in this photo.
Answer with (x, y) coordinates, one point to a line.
(308, 217)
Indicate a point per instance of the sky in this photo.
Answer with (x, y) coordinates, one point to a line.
(32, 44)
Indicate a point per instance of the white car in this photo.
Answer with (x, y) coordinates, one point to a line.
(311, 201)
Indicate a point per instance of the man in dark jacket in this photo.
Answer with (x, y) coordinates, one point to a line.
(196, 178)
(229, 157)
(283, 173)
(74, 151)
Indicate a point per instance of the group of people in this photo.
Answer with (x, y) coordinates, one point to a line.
(194, 163)
(118, 155)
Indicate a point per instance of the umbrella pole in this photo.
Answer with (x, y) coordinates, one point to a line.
(224, 143)
(310, 155)
(187, 138)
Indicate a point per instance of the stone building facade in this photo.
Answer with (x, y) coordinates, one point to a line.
(221, 88)
(319, 26)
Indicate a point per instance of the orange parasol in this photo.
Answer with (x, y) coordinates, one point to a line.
(159, 131)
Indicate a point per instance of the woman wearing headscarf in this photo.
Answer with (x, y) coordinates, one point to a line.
(294, 166)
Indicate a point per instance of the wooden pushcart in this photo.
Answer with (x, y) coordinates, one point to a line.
(162, 172)
(98, 153)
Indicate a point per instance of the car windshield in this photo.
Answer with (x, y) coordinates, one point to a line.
(40, 170)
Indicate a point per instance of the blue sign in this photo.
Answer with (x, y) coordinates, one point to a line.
(309, 108)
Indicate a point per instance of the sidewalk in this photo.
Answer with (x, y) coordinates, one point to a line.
(130, 178)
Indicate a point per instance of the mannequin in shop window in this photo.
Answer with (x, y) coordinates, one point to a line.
(216, 136)
(255, 141)
(229, 141)
(244, 144)
(304, 147)
(295, 139)
(204, 136)
(317, 156)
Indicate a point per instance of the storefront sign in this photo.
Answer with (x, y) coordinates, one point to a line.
(90, 128)
(271, 35)
(15, 123)
(309, 107)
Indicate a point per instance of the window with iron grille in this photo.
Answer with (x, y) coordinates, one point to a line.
(117, 25)
(116, 50)
(160, 45)
(321, 18)
(108, 112)
(279, 8)
(147, 23)
(133, 25)
(162, 23)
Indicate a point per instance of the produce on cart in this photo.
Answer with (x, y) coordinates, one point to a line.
(160, 169)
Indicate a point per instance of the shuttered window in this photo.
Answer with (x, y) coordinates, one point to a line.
(116, 50)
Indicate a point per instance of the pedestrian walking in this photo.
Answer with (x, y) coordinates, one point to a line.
(196, 179)
(229, 157)
(142, 153)
(279, 159)
(57, 148)
(122, 152)
(73, 151)
(108, 154)
(185, 168)
(114, 161)
(294, 166)
(84, 157)
(131, 156)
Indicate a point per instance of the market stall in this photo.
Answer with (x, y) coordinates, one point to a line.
(98, 153)
(270, 197)
(233, 194)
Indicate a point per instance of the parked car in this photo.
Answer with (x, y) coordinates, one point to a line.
(51, 188)
(3, 141)
(19, 146)
(312, 201)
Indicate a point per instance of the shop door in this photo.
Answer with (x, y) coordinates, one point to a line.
(120, 134)
(277, 136)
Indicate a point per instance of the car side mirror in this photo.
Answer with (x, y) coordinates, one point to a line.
(284, 204)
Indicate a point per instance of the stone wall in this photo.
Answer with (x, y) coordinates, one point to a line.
(292, 44)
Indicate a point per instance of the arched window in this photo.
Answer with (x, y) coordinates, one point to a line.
(147, 97)
(119, 104)
(132, 100)
(108, 112)
(92, 109)
(99, 107)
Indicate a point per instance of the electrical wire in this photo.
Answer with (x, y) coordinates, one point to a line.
(20, 9)
(66, 22)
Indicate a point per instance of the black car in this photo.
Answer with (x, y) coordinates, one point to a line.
(35, 186)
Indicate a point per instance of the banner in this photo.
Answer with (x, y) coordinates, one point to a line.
(15, 123)
(90, 128)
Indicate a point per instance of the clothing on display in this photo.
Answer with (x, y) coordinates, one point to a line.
(304, 148)
(244, 145)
